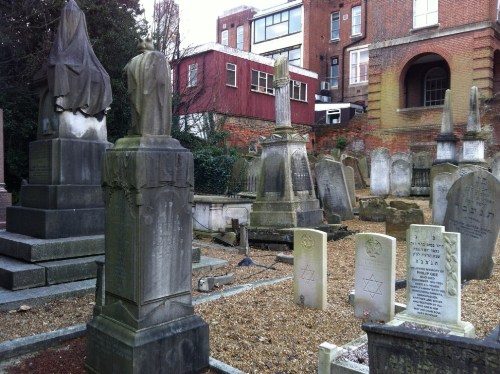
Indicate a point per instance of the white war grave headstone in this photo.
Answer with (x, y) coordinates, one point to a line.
(473, 210)
(380, 172)
(309, 268)
(433, 280)
(374, 277)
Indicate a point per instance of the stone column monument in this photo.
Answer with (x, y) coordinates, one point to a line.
(446, 140)
(285, 196)
(5, 197)
(473, 140)
(147, 323)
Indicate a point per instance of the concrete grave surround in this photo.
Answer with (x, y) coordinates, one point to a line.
(332, 188)
(401, 173)
(441, 184)
(374, 277)
(433, 279)
(380, 172)
(309, 268)
(473, 210)
(399, 216)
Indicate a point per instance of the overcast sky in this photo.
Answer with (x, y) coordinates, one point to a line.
(199, 17)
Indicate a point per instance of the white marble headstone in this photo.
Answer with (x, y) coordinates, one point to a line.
(374, 277)
(309, 268)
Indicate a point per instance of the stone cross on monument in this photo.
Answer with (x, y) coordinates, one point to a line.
(285, 195)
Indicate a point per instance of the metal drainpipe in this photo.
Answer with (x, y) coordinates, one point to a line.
(349, 45)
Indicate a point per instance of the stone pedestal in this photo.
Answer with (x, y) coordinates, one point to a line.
(147, 324)
(63, 197)
(446, 149)
(285, 196)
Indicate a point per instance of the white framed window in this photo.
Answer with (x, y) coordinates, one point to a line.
(293, 54)
(192, 75)
(230, 74)
(334, 72)
(335, 34)
(333, 116)
(262, 82)
(224, 37)
(435, 85)
(359, 66)
(277, 25)
(356, 20)
(239, 37)
(298, 90)
(425, 13)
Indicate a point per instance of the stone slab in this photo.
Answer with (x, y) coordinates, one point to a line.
(52, 223)
(61, 196)
(208, 263)
(32, 249)
(374, 277)
(71, 269)
(309, 268)
(18, 275)
(380, 168)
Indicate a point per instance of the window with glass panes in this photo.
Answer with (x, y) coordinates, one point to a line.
(359, 66)
(425, 13)
(239, 37)
(224, 37)
(298, 90)
(262, 82)
(192, 75)
(294, 57)
(435, 85)
(335, 35)
(277, 25)
(231, 74)
(334, 72)
(356, 20)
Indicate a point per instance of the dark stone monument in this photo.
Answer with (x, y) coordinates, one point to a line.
(147, 323)
(285, 196)
(473, 210)
(400, 349)
(5, 197)
(61, 207)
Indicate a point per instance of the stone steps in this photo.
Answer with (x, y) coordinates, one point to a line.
(17, 274)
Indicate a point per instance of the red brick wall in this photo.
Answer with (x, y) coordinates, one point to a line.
(232, 21)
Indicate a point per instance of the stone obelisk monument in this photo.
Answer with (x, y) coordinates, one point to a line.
(147, 323)
(285, 195)
(446, 140)
(473, 140)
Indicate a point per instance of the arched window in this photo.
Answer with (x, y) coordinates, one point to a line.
(435, 85)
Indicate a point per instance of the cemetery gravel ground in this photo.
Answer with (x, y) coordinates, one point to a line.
(260, 330)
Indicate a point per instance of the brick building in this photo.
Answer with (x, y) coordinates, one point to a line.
(394, 58)
(234, 89)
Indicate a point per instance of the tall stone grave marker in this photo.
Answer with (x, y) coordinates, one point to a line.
(374, 277)
(285, 196)
(351, 184)
(358, 176)
(473, 139)
(147, 323)
(446, 140)
(309, 268)
(437, 169)
(442, 183)
(401, 172)
(380, 172)
(495, 167)
(473, 210)
(433, 279)
(5, 197)
(332, 188)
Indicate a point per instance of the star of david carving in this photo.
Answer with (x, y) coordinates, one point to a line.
(372, 286)
(307, 274)
(307, 241)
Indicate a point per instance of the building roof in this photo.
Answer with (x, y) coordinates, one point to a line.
(278, 8)
(246, 56)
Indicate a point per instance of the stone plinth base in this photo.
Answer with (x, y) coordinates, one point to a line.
(180, 346)
(465, 329)
(281, 214)
(55, 223)
(5, 201)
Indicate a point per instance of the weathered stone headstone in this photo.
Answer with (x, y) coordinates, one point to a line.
(441, 184)
(380, 170)
(495, 167)
(422, 163)
(401, 176)
(147, 324)
(473, 210)
(437, 169)
(446, 140)
(309, 268)
(363, 167)
(351, 185)
(374, 277)
(332, 188)
(401, 156)
(5, 197)
(239, 177)
(399, 216)
(433, 279)
(358, 177)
